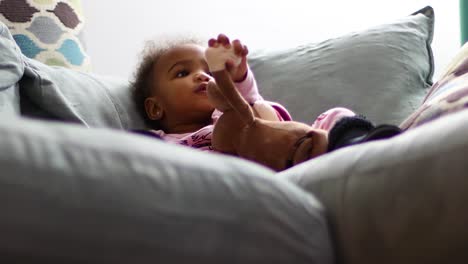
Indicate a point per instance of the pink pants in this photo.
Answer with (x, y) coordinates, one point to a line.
(328, 119)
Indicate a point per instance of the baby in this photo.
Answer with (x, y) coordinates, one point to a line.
(170, 91)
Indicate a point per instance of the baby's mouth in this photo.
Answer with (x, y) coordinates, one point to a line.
(201, 88)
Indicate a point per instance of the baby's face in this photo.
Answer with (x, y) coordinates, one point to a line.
(181, 76)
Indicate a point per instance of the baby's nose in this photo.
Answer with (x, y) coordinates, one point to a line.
(203, 76)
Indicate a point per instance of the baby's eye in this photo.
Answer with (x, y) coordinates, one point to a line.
(182, 73)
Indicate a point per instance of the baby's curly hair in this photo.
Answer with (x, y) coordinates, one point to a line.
(143, 76)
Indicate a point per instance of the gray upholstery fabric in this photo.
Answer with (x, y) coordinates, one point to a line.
(11, 70)
(63, 94)
(70, 194)
(402, 200)
(382, 72)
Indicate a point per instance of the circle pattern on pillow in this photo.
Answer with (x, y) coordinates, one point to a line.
(49, 31)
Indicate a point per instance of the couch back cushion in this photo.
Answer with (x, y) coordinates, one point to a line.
(382, 72)
(58, 93)
(49, 31)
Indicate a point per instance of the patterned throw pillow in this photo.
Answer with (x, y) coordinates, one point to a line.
(49, 31)
(448, 95)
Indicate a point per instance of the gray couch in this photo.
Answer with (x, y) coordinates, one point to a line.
(76, 187)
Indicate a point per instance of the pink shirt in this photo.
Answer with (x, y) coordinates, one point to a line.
(201, 139)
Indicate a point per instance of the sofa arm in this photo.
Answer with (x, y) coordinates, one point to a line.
(402, 200)
(76, 195)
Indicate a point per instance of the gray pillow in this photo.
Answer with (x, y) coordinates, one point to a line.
(63, 94)
(382, 72)
(11, 70)
(402, 199)
(70, 194)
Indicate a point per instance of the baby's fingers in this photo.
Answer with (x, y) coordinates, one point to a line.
(224, 40)
(245, 51)
(239, 49)
(212, 42)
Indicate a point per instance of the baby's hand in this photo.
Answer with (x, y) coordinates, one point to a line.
(238, 72)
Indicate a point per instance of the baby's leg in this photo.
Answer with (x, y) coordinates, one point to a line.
(328, 119)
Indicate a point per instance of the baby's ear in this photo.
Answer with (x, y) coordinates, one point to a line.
(153, 109)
